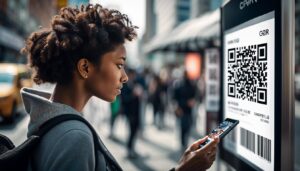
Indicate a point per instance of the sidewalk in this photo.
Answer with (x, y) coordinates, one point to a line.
(159, 150)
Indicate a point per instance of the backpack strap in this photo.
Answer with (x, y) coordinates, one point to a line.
(44, 128)
(6, 144)
(17, 155)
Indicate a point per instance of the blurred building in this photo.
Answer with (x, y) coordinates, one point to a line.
(18, 18)
(14, 24)
(42, 11)
(150, 21)
(164, 25)
(199, 7)
(183, 10)
(74, 3)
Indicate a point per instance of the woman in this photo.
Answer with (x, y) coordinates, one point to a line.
(83, 53)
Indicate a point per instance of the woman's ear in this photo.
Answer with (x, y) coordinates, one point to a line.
(83, 67)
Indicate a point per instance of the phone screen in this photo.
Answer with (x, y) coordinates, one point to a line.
(223, 129)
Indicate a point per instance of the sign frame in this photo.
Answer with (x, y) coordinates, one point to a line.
(234, 13)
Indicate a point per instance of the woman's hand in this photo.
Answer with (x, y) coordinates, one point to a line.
(195, 159)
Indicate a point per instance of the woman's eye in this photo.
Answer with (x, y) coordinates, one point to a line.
(120, 66)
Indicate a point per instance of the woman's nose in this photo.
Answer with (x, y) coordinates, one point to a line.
(124, 78)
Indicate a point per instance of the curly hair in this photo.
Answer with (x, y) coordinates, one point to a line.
(88, 32)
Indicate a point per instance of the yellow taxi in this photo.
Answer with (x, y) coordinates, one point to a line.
(12, 78)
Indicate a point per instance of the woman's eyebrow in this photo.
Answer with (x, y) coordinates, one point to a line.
(123, 57)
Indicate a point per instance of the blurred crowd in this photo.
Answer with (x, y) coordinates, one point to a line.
(169, 92)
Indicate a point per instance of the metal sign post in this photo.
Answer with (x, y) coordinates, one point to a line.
(288, 98)
(257, 83)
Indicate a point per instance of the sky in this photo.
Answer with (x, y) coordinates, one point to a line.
(135, 9)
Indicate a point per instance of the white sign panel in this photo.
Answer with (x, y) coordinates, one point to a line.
(249, 89)
(212, 79)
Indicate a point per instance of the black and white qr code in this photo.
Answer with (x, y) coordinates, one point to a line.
(247, 73)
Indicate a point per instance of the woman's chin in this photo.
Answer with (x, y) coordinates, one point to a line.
(110, 99)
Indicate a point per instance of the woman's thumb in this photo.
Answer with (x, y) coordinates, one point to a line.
(195, 145)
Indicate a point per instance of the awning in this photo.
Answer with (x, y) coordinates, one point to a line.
(192, 35)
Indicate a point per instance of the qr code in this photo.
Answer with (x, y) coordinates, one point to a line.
(247, 73)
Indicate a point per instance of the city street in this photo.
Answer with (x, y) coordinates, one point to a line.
(160, 76)
(17, 130)
(157, 149)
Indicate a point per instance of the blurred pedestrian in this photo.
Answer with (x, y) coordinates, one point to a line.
(142, 81)
(83, 53)
(157, 97)
(184, 95)
(115, 108)
(154, 98)
(131, 99)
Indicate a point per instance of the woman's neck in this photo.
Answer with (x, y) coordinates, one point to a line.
(71, 95)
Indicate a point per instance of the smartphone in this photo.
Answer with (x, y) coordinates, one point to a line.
(223, 129)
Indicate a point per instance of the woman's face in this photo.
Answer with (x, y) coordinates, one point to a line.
(106, 79)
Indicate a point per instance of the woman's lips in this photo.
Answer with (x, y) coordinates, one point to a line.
(119, 89)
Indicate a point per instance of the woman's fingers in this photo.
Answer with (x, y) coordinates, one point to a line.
(209, 147)
(195, 145)
(217, 139)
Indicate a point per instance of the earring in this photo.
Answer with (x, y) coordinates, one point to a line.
(84, 76)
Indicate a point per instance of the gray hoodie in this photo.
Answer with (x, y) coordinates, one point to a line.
(67, 146)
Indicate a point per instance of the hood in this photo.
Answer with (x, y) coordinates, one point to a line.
(41, 109)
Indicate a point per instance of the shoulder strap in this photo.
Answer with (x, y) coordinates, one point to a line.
(97, 141)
